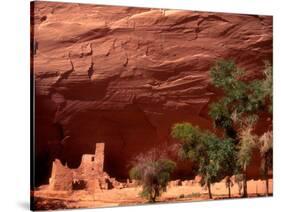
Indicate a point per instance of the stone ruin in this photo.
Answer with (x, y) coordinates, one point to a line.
(88, 176)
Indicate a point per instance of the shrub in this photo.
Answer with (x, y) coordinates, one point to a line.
(153, 173)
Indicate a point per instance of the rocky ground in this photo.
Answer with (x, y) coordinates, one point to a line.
(187, 192)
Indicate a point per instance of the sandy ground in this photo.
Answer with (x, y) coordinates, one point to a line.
(45, 199)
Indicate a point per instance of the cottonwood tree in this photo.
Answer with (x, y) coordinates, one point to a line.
(213, 157)
(245, 149)
(265, 145)
(265, 142)
(238, 178)
(242, 100)
(153, 172)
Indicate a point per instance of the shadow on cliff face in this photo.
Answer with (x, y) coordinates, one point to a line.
(47, 138)
(125, 133)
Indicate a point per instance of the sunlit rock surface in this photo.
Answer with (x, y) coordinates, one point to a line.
(124, 75)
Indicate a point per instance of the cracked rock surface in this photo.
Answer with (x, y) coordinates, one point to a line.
(124, 75)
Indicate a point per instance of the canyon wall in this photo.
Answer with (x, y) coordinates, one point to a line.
(124, 76)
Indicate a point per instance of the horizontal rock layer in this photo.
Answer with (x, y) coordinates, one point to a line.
(124, 75)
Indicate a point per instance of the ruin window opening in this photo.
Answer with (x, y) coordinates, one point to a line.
(78, 185)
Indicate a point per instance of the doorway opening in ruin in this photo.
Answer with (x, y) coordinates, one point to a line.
(78, 185)
(109, 184)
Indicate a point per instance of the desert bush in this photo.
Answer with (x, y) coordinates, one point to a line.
(153, 172)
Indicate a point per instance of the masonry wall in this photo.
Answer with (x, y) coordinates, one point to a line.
(90, 171)
(62, 177)
(99, 158)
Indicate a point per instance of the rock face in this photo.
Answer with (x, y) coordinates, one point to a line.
(123, 76)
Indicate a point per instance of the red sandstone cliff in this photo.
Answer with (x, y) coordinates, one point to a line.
(123, 76)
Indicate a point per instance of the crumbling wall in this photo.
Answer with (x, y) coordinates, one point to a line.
(61, 178)
(89, 175)
(87, 165)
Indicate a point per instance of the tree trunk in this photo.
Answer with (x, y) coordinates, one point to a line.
(153, 199)
(245, 193)
(209, 190)
(229, 191)
(266, 178)
(152, 196)
(267, 189)
(239, 188)
(228, 183)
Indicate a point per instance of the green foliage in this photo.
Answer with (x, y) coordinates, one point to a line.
(240, 97)
(213, 156)
(224, 75)
(135, 173)
(236, 113)
(185, 132)
(220, 114)
(153, 173)
(267, 86)
(190, 137)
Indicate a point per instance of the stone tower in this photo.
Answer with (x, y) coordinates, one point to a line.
(99, 158)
